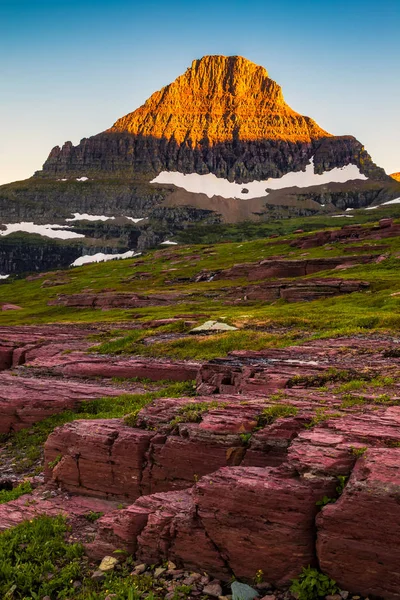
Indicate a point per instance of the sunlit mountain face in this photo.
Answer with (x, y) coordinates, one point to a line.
(223, 116)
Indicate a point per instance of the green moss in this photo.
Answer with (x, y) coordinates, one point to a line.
(277, 411)
(329, 376)
(193, 412)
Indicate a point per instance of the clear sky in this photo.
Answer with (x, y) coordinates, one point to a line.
(70, 68)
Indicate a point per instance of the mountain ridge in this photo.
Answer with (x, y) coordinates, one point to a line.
(224, 116)
(218, 99)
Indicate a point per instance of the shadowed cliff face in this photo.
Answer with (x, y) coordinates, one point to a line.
(130, 155)
(225, 116)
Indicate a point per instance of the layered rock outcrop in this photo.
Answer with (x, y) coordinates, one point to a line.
(284, 268)
(223, 116)
(233, 482)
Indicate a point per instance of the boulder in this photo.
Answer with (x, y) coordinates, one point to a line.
(358, 535)
(213, 327)
(10, 307)
(98, 458)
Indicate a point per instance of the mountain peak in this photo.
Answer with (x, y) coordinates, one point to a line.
(219, 99)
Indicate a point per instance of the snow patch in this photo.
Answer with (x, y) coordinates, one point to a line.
(82, 178)
(371, 207)
(395, 201)
(211, 185)
(4, 276)
(169, 243)
(100, 257)
(135, 220)
(51, 231)
(347, 216)
(86, 217)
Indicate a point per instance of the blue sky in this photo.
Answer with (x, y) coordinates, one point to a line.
(69, 69)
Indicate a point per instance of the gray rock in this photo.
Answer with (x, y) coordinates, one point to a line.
(242, 591)
(213, 327)
(98, 576)
(213, 589)
(139, 569)
(108, 563)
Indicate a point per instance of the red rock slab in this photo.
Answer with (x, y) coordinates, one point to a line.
(159, 455)
(331, 448)
(30, 342)
(156, 370)
(347, 233)
(30, 334)
(303, 291)
(24, 401)
(265, 371)
(52, 352)
(358, 536)
(253, 373)
(270, 268)
(261, 518)
(102, 457)
(108, 458)
(10, 307)
(226, 436)
(79, 364)
(268, 447)
(160, 527)
(237, 520)
(33, 505)
(111, 300)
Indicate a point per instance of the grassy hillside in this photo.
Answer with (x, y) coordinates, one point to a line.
(260, 324)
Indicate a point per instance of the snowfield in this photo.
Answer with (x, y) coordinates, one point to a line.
(100, 257)
(87, 217)
(51, 231)
(211, 185)
(395, 201)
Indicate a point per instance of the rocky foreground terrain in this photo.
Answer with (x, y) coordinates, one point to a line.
(205, 414)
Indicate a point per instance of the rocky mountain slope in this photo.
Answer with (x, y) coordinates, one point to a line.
(217, 144)
(223, 116)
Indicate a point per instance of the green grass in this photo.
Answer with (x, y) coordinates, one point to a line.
(19, 490)
(119, 276)
(277, 411)
(37, 561)
(194, 411)
(212, 234)
(32, 551)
